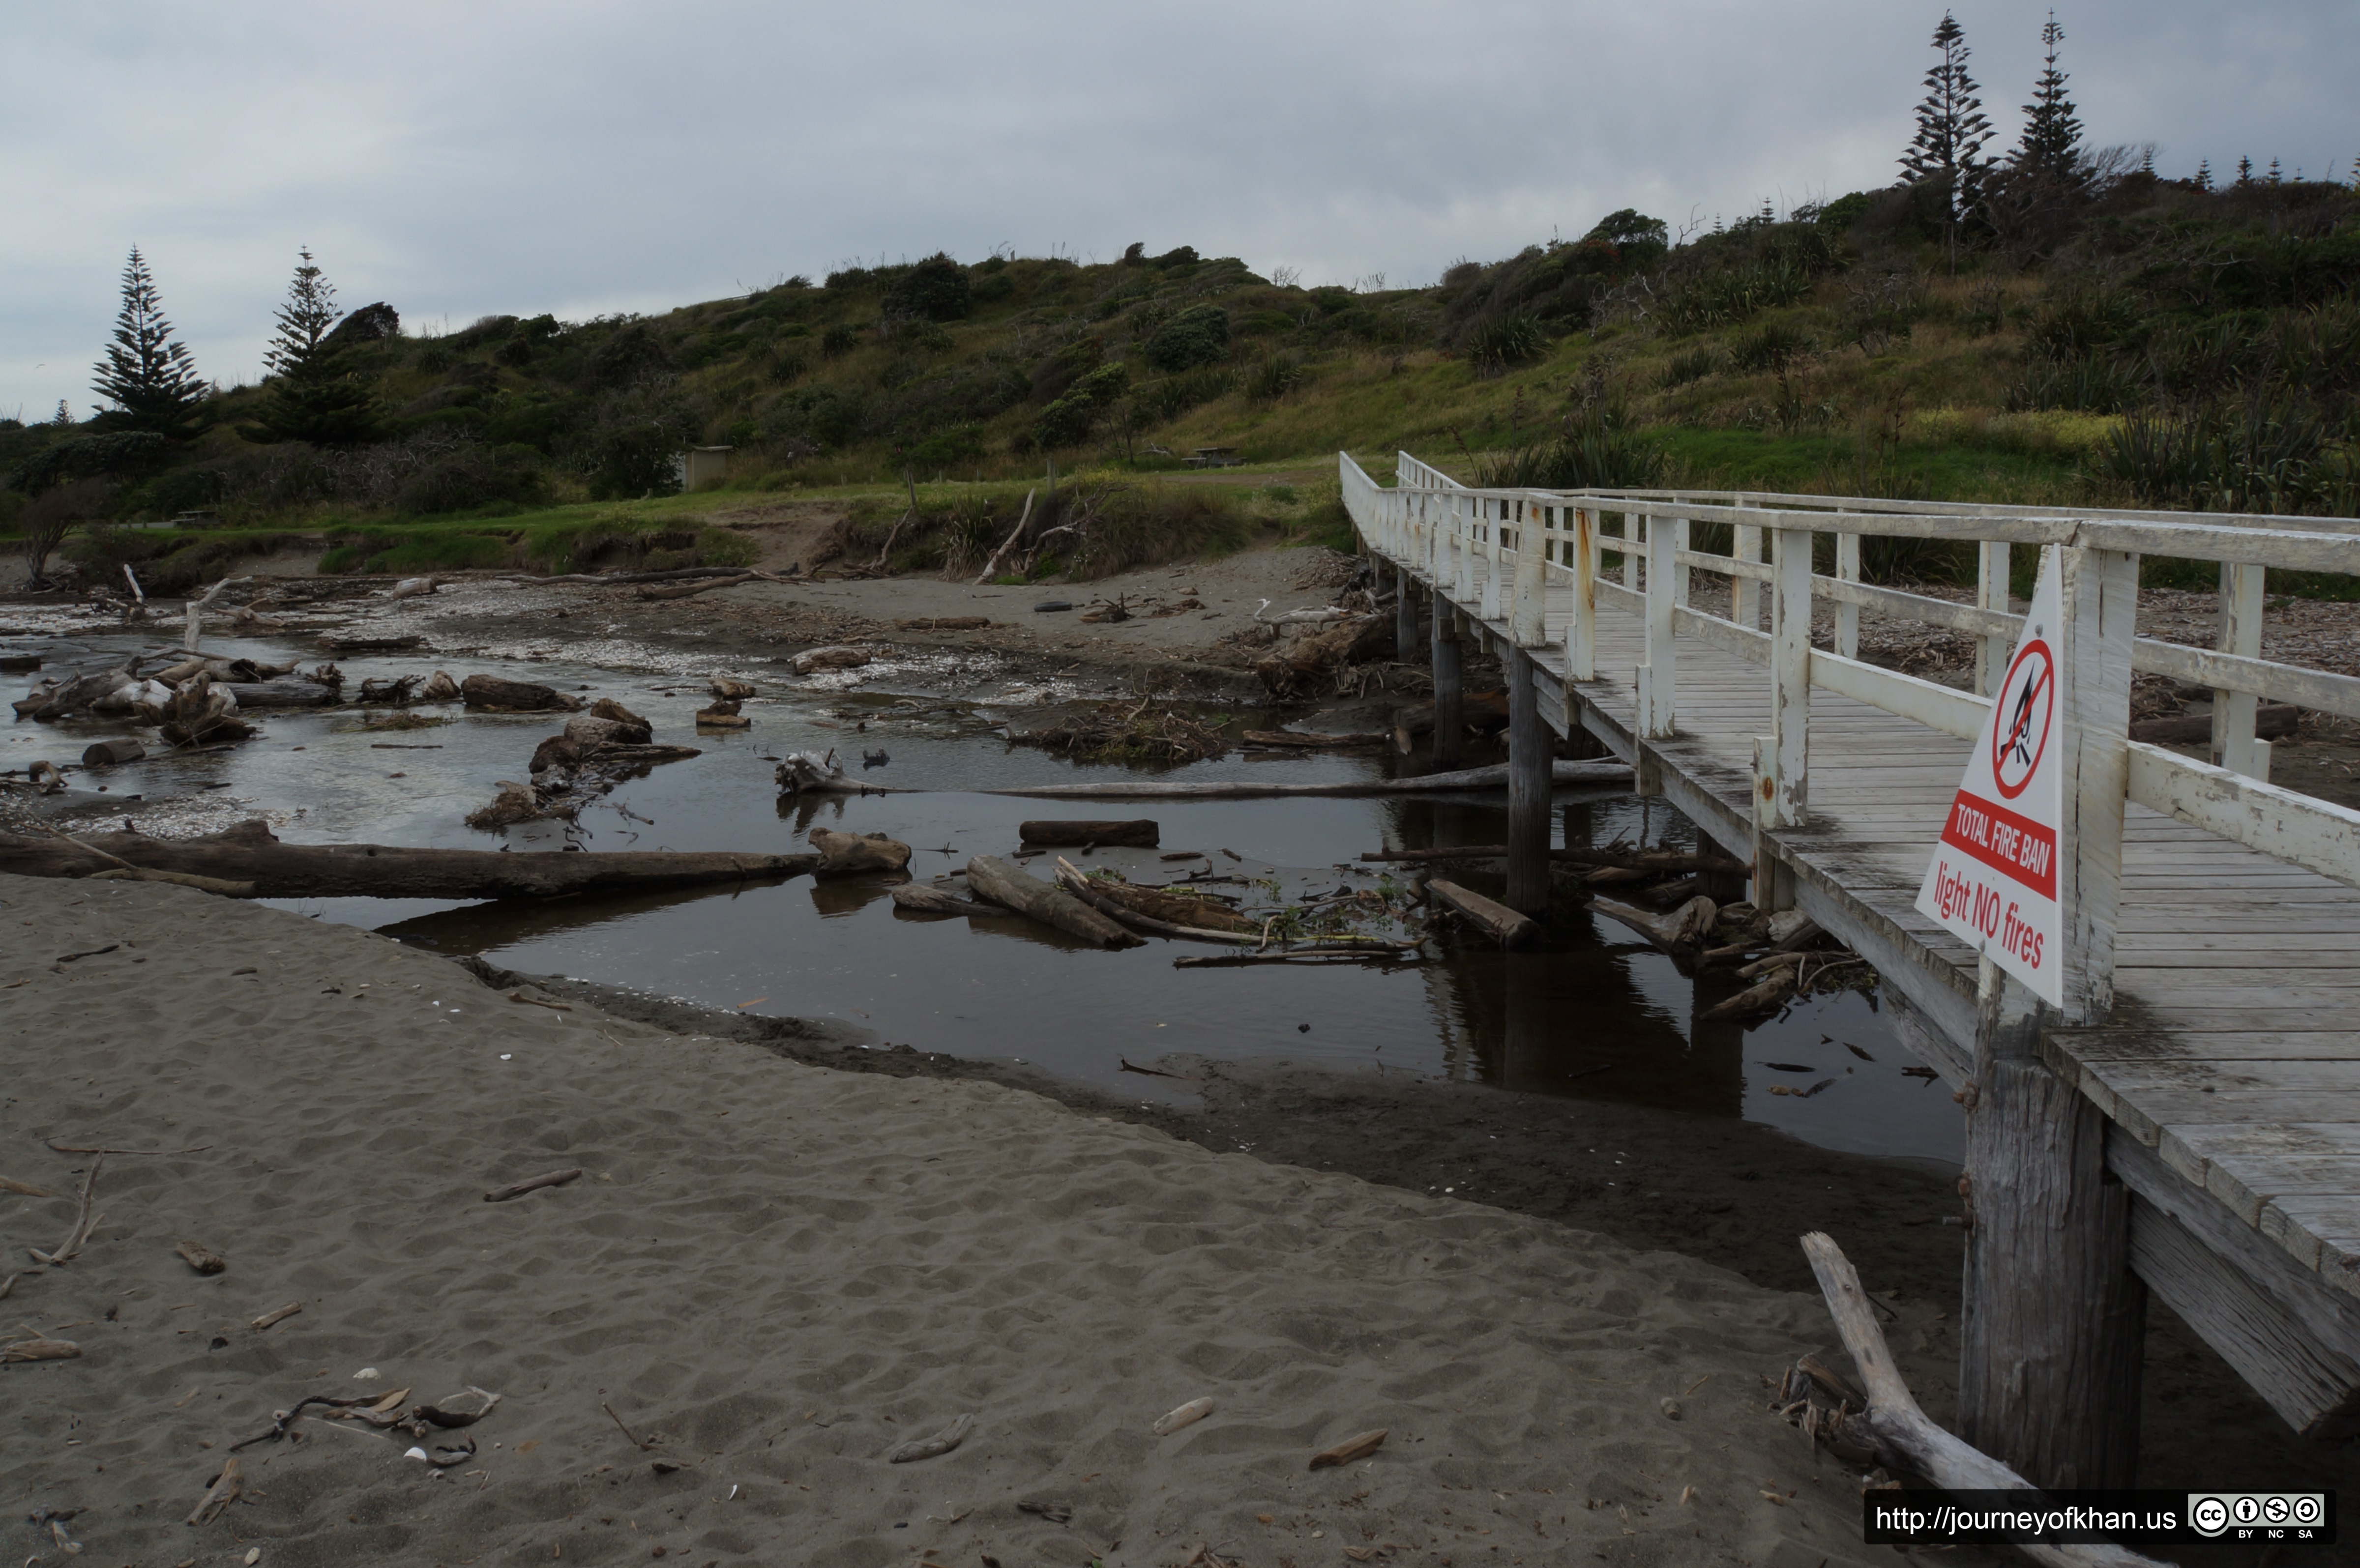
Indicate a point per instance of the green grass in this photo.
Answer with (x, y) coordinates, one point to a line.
(562, 539)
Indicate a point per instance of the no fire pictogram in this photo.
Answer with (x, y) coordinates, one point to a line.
(2028, 712)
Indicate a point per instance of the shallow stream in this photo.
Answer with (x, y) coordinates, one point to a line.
(1598, 1016)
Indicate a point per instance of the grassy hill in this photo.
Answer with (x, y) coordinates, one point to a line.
(2146, 343)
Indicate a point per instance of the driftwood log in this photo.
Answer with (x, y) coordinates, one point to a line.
(1295, 740)
(1681, 932)
(1350, 642)
(109, 753)
(1177, 908)
(250, 853)
(370, 644)
(1003, 884)
(1190, 920)
(280, 693)
(834, 657)
(76, 695)
(1136, 833)
(493, 694)
(1754, 999)
(929, 900)
(691, 589)
(532, 1184)
(1496, 921)
(856, 855)
(1906, 1435)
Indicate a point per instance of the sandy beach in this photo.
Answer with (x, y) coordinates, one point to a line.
(773, 1273)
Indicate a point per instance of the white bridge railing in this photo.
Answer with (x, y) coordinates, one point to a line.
(1496, 553)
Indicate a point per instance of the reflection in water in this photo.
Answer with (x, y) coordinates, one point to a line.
(850, 895)
(1595, 1017)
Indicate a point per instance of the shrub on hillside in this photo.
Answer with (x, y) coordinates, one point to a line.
(2268, 457)
(1693, 365)
(1070, 420)
(1501, 341)
(1197, 335)
(935, 290)
(630, 354)
(822, 417)
(1773, 348)
(1598, 451)
(2089, 385)
(1159, 402)
(1274, 377)
(1724, 278)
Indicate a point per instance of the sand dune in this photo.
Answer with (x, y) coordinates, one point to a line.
(775, 1273)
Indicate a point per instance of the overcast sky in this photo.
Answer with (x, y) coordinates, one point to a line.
(459, 160)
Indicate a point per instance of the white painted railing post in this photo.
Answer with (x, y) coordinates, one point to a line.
(1462, 539)
(1581, 632)
(1991, 594)
(2094, 664)
(1659, 676)
(1782, 787)
(1781, 774)
(1494, 568)
(1744, 594)
(1529, 622)
(1848, 616)
(2234, 746)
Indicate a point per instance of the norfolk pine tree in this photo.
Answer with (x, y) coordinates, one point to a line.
(1951, 131)
(2051, 149)
(145, 374)
(312, 398)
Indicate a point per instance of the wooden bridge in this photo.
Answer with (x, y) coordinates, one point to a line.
(2188, 1122)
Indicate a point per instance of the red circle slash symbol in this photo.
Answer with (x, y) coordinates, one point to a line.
(2028, 712)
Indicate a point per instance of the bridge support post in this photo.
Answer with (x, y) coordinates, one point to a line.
(1405, 615)
(1529, 751)
(1449, 710)
(2053, 1325)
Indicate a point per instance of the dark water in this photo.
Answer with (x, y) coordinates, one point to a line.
(1600, 1016)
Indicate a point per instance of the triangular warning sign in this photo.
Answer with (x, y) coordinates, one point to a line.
(1995, 880)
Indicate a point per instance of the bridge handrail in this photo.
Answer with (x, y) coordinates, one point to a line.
(1413, 473)
(1470, 541)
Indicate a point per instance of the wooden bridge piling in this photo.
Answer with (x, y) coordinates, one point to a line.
(2053, 1323)
(1531, 746)
(1449, 705)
